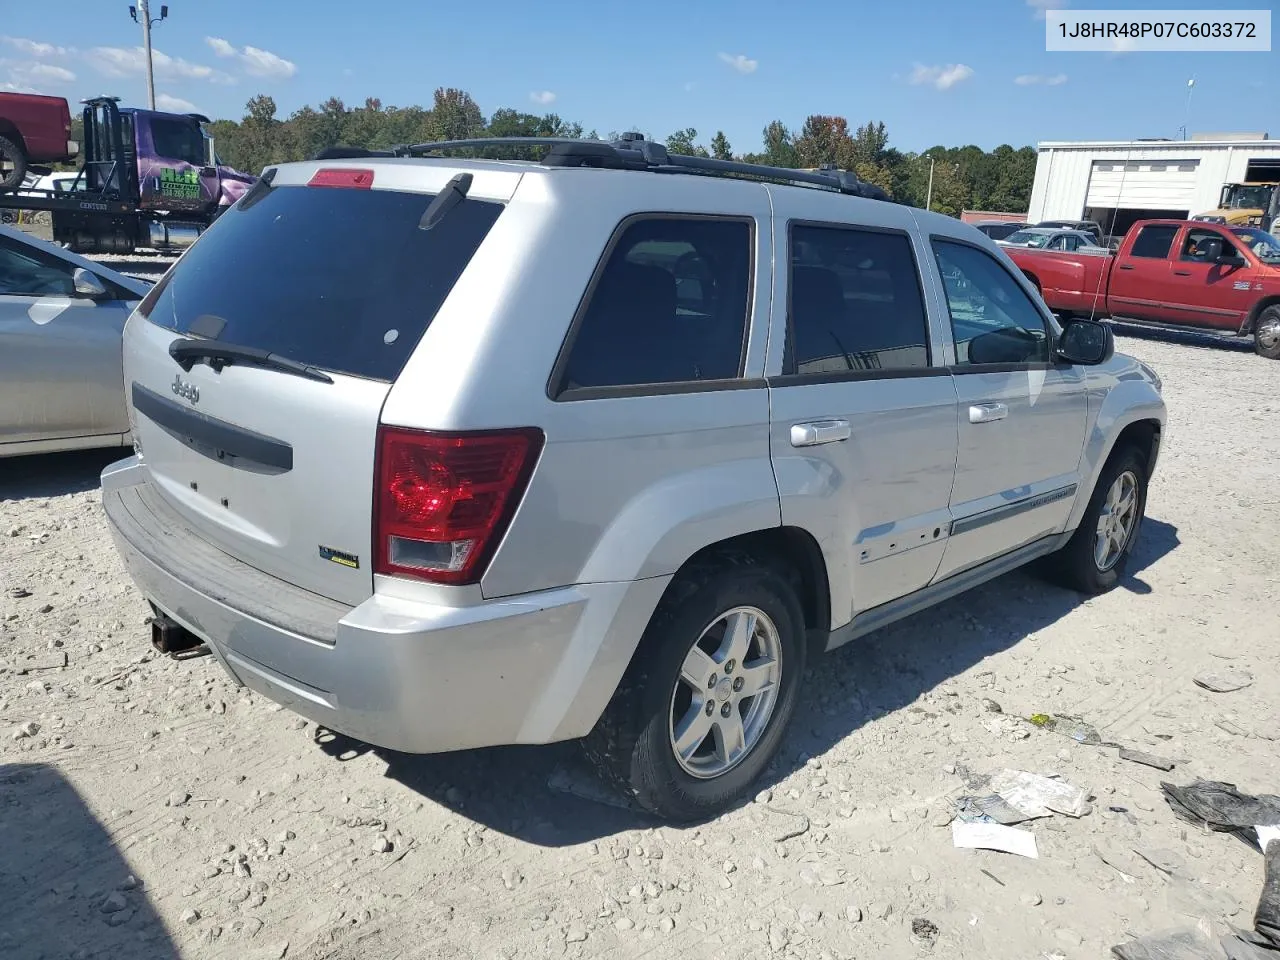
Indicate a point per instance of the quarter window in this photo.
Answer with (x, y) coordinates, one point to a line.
(992, 318)
(670, 305)
(855, 302)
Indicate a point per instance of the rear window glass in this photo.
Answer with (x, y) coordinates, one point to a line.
(341, 279)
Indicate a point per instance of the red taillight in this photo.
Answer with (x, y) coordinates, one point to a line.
(443, 501)
(349, 177)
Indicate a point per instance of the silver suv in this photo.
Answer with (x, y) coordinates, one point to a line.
(448, 453)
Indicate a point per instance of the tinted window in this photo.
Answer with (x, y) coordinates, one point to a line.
(342, 279)
(178, 140)
(855, 302)
(670, 305)
(26, 273)
(1154, 241)
(992, 318)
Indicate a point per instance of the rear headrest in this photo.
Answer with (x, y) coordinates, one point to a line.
(816, 290)
(647, 292)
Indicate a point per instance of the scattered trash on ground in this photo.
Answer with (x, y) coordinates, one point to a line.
(1146, 759)
(1227, 680)
(1072, 727)
(1220, 806)
(1266, 919)
(994, 836)
(1038, 796)
(989, 809)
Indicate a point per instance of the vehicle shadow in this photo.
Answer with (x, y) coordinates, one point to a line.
(507, 788)
(55, 474)
(1188, 337)
(67, 890)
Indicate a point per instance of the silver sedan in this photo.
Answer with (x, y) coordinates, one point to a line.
(61, 318)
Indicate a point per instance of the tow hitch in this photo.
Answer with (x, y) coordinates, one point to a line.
(170, 637)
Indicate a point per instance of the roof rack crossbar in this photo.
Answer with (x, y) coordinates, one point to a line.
(633, 152)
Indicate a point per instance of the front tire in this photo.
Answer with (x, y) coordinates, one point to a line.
(1266, 333)
(1094, 559)
(705, 703)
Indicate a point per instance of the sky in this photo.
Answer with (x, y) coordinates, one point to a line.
(948, 72)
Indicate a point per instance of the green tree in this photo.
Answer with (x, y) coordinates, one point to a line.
(686, 142)
(720, 148)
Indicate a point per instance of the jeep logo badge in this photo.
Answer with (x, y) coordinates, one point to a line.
(185, 390)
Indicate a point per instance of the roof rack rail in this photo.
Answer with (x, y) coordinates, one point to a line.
(632, 152)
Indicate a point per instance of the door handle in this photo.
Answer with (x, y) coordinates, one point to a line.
(1126, 266)
(987, 412)
(819, 431)
(1182, 273)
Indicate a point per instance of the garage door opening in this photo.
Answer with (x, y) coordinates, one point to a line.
(1262, 170)
(1116, 223)
(1121, 193)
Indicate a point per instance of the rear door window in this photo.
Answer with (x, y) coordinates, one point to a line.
(855, 303)
(341, 279)
(1153, 242)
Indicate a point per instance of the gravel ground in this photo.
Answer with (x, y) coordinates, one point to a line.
(148, 808)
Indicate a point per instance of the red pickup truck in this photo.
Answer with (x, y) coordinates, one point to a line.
(33, 129)
(1176, 272)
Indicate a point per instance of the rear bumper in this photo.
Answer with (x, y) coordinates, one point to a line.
(410, 676)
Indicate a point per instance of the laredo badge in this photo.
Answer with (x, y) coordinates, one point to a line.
(338, 556)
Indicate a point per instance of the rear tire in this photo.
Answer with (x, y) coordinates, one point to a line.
(13, 164)
(1266, 333)
(683, 736)
(1094, 559)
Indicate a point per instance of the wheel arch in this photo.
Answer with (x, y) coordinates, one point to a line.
(1252, 317)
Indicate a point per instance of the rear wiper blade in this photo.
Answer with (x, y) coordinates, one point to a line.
(454, 192)
(220, 353)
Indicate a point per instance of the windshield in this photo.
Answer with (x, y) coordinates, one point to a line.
(1250, 198)
(1028, 239)
(1264, 246)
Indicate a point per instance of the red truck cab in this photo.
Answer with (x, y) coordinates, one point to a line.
(1178, 272)
(33, 129)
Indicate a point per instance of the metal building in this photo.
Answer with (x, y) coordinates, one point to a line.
(1118, 182)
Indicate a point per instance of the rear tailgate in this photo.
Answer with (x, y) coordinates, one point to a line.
(276, 468)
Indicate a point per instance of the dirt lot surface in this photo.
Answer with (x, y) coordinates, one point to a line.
(150, 809)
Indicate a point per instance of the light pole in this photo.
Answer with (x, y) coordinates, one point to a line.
(928, 200)
(142, 14)
(1191, 87)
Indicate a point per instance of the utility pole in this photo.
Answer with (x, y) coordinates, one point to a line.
(928, 200)
(142, 14)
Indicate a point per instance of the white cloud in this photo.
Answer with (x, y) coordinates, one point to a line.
(174, 104)
(254, 60)
(940, 76)
(220, 47)
(543, 97)
(30, 75)
(131, 62)
(9, 86)
(1040, 6)
(1037, 79)
(740, 62)
(34, 48)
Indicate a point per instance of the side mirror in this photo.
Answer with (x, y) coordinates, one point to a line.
(1085, 342)
(1229, 258)
(87, 284)
(210, 154)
